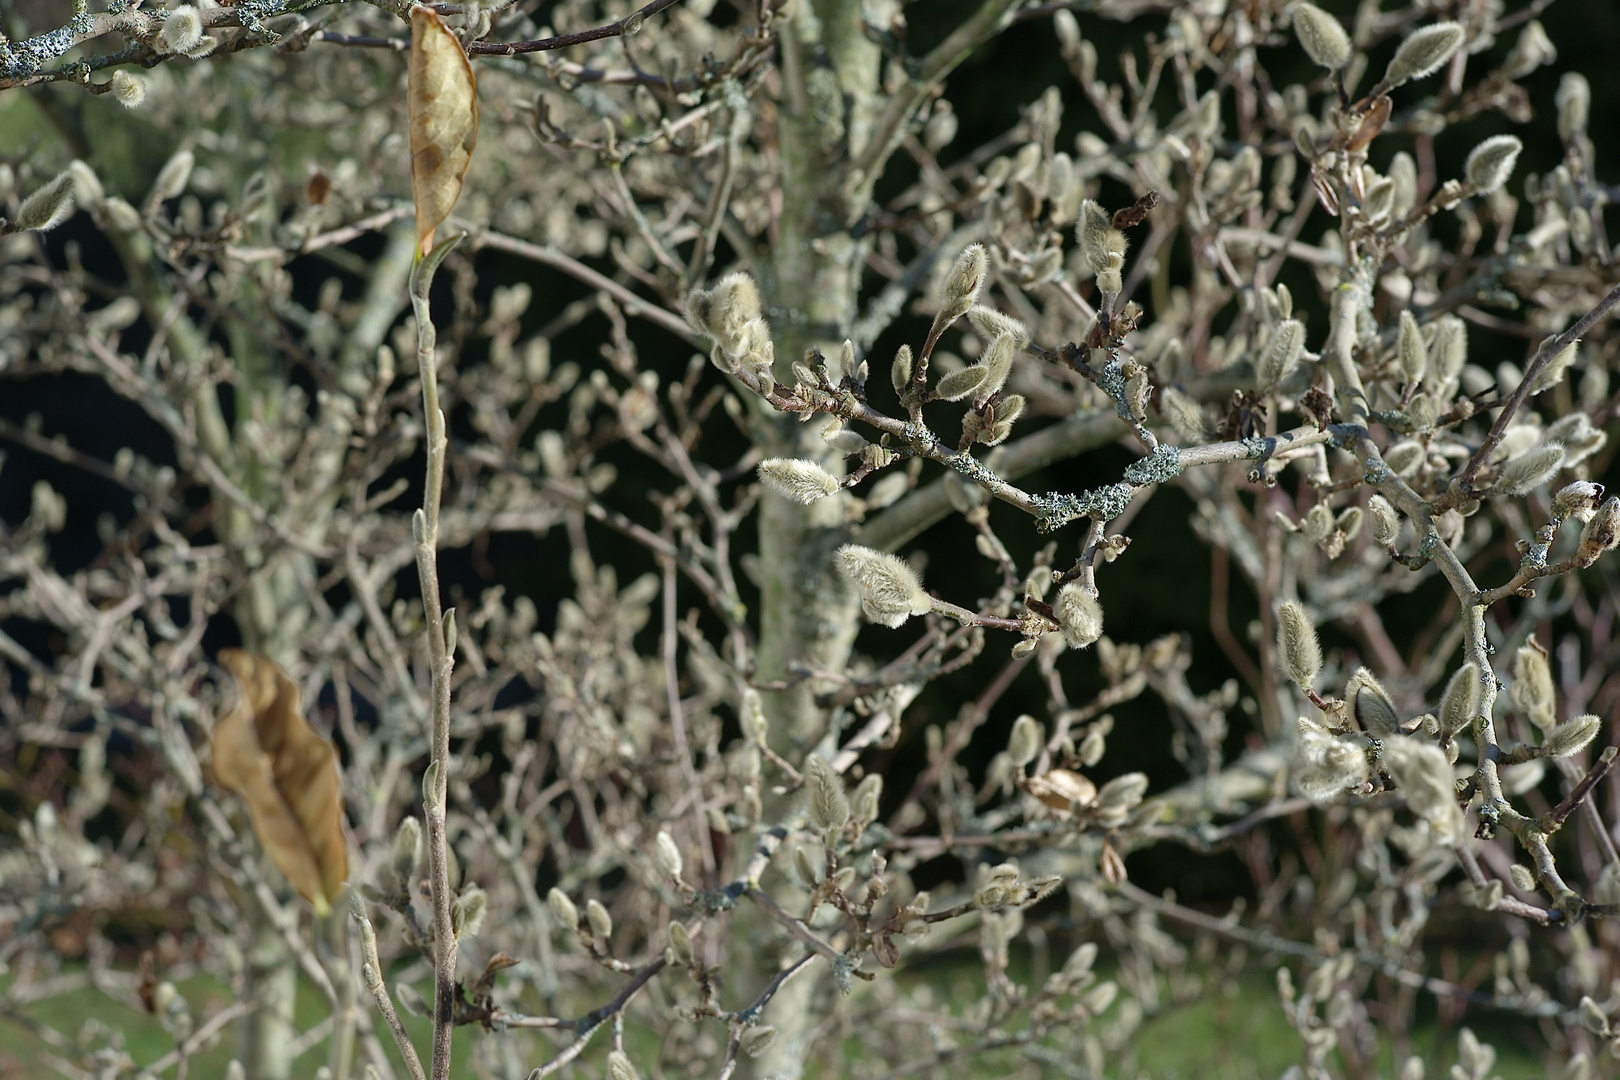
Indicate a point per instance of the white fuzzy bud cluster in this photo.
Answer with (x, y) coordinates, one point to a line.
(891, 592)
(1297, 646)
(128, 89)
(1102, 246)
(1324, 766)
(731, 315)
(797, 479)
(1079, 614)
(1420, 770)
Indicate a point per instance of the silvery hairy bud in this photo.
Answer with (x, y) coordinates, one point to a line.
(1323, 767)
(1532, 691)
(467, 912)
(407, 854)
(961, 288)
(1301, 653)
(128, 90)
(1460, 701)
(1491, 163)
(797, 479)
(668, 856)
(1321, 36)
(1080, 614)
(1281, 355)
(563, 909)
(1386, 524)
(1422, 772)
(1369, 703)
(828, 805)
(900, 371)
(1414, 356)
(1578, 499)
(1601, 533)
(1025, 742)
(601, 922)
(1567, 740)
(49, 206)
(891, 592)
(1530, 470)
(1574, 101)
(1423, 52)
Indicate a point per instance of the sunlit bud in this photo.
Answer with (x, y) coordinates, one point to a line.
(1096, 233)
(1423, 412)
(1379, 204)
(797, 479)
(619, 1067)
(205, 45)
(1491, 163)
(1450, 346)
(900, 371)
(891, 592)
(668, 855)
(1122, 792)
(962, 285)
(843, 440)
(172, 178)
(867, 800)
(407, 854)
(87, 189)
(563, 909)
(1402, 172)
(1423, 52)
(1183, 414)
(1581, 440)
(1414, 356)
(1317, 525)
(467, 912)
(827, 804)
(1460, 701)
(1574, 101)
(1530, 470)
(1025, 742)
(601, 922)
(1601, 533)
(680, 944)
(1068, 30)
(1300, 652)
(1385, 523)
(182, 29)
(1281, 354)
(1524, 879)
(1593, 1016)
(1567, 740)
(1323, 767)
(733, 306)
(1532, 691)
(991, 324)
(805, 867)
(997, 364)
(756, 1040)
(1092, 748)
(1080, 614)
(1321, 36)
(1532, 50)
(1579, 498)
(49, 206)
(941, 127)
(129, 90)
(1413, 1069)
(1556, 368)
(1422, 772)
(1367, 701)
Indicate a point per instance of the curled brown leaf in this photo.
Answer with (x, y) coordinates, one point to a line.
(286, 774)
(442, 97)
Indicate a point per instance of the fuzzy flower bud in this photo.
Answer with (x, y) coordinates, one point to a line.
(1532, 690)
(1460, 701)
(1183, 413)
(1102, 245)
(1296, 643)
(1370, 704)
(1567, 740)
(680, 944)
(48, 206)
(1385, 523)
(1025, 742)
(1423, 52)
(1321, 36)
(959, 384)
(890, 589)
(619, 1067)
(1414, 356)
(828, 804)
(1421, 771)
(991, 324)
(1281, 355)
(183, 29)
(797, 479)
(1080, 614)
(961, 289)
(668, 856)
(467, 912)
(997, 364)
(1553, 372)
(1324, 767)
(563, 909)
(1491, 163)
(900, 371)
(866, 803)
(1579, 498)
(1601, 533)
(129, 90)
(1530, 470)
(407, 854)
(1524, 879)
(601, 922)
(1574, 101)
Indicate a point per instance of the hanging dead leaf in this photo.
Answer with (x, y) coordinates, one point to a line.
(1062, 789)
(443, 103)
(266, 752)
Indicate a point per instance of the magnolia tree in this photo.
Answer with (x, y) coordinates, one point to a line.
(442, 582)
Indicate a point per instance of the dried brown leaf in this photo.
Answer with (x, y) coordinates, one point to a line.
(1063, 789)
(443, 104)
(266, 752)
